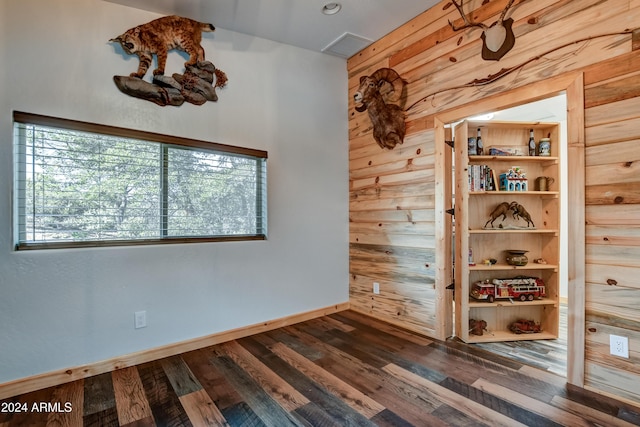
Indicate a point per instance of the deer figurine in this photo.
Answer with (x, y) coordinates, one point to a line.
(497, 38)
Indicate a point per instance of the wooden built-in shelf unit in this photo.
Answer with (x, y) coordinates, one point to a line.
(473, 208)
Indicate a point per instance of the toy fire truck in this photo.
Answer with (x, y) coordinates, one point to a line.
(520, 288)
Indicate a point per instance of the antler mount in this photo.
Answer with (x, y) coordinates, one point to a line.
(497, 39)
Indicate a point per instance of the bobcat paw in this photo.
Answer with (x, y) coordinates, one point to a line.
(158, 72)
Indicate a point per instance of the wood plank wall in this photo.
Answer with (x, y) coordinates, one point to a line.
(392, 210)
(612, 137)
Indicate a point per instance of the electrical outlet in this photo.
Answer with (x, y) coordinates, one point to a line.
(619, 346)
(140, 319)
(376, 288)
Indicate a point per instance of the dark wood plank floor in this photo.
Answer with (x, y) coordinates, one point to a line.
(341, 370)
(550, 355)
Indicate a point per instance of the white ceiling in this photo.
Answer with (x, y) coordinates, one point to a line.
(297, 22)
(552, 109)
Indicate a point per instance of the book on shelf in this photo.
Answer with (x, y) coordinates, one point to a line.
(482, 178)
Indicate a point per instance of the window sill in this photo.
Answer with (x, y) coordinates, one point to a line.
(142, 242)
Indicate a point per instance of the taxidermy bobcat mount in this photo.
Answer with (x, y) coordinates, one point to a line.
(159, 37)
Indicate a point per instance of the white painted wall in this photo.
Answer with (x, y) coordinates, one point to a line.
(63, 308)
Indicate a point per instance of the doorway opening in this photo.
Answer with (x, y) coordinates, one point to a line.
(573, 86)
(546, 354)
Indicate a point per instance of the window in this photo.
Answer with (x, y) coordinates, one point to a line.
(80, 184)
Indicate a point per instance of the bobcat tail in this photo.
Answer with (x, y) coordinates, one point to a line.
(207, 28)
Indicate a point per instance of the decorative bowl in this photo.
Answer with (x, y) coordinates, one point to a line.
(517, 257)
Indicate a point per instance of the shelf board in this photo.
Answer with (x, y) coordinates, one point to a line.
(503, 266)
(512, 159)
(493, 336)
(514, 231)
(508, 303)
(550, 194)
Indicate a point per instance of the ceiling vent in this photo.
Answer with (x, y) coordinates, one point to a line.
(347, 45)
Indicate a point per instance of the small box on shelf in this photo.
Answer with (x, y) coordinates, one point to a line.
(506, 151)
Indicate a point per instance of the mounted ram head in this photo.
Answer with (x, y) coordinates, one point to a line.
(497, 38)
(377, 94)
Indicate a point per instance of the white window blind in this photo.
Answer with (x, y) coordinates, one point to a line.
(79, 184)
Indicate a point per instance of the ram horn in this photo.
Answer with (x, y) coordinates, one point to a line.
(393, 78)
